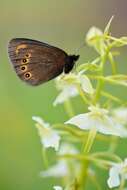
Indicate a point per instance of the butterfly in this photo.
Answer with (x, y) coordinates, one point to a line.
(37, 62)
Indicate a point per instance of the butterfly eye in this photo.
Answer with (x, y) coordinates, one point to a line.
(27, 75)
(23, 68)
(25, 60)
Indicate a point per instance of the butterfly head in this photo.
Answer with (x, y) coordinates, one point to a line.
(70, 62)
(73, 58)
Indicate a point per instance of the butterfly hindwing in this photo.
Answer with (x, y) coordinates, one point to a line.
(35, 62)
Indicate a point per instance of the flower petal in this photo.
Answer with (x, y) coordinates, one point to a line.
(57, 187)
(86, 84)
(40, 121)
(95, 38)
(67, 148)
(114, 179)
(67, 92)
(99, 119)
(52, 139)
(48, 136)
(120, 115)
(81, 121)
(58, 170)
(92, 33)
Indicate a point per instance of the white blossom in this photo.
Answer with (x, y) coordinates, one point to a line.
(49, 137)
(67, 92)
(57, 187)
(116, 172)
(120, 114)
(95, 38)
(66, 148)
(100, 119)
(68, 86)
(61, 168)
(93, 33)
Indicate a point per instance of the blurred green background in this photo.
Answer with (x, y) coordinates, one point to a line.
(60, 23)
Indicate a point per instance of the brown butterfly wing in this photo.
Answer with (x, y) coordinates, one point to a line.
(35, 62)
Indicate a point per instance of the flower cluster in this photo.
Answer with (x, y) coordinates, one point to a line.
(70, 85)
(104, 119)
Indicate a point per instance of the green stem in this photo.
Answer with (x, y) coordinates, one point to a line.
(79, 134)
(85, 164)
(116, 40)
(111, 97)
(122, 184)
(90, 158)
(81, 93)
(113, 145)
(113, 64)
(109, 79)
(101, 82)
(107, 155)
(68, 108)
(45, 159)
(90, 140)
(98, 90)
(94, 180)
(84, 175)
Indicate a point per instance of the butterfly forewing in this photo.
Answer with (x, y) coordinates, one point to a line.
(35, 62)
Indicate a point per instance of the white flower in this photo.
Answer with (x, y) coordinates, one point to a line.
(49, 137)
(85, 84)
(93, 33)
(61, 168)
(57, 187)
(120, 114)
(58, 170)
(116, 172)
(67, 84)
(67, 92)
(95, 38)
(100, 119)
(66, 148)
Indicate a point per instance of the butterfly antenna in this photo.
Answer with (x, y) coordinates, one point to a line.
(81, 46)
(77, 50)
